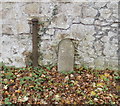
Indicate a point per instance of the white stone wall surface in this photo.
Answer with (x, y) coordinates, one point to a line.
(92, 26)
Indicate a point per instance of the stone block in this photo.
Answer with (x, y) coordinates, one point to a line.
(110, 49)
(89, 12)
(32, 8)
(105, 13)
(7, 29)
(23, 26)
(66, 55)
(71, 9)
(112, 5)
(99, 63)
(87, 20)
(111, 63)
(99, 4)
(9, 11)
(80, 31)
(60, 21)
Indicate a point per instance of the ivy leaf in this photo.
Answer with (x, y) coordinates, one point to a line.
(7, 101)
(92, 93)
(107, 75)
(100, 84)
(57, 97)
(23, 99)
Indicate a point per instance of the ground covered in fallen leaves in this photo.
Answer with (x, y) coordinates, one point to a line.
(45, 85)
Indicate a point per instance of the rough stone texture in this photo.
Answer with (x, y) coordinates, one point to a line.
(66, 55)
(0, 30)
(91, 26)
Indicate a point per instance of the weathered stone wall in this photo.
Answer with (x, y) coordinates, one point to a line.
(91, 26)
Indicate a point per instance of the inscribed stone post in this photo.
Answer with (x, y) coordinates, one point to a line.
(66, 55)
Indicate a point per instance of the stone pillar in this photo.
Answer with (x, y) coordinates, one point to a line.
(66, 55)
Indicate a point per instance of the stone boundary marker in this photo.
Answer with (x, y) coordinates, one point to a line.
(65, 55)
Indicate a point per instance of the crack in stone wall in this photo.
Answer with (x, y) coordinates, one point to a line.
(92, 26)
